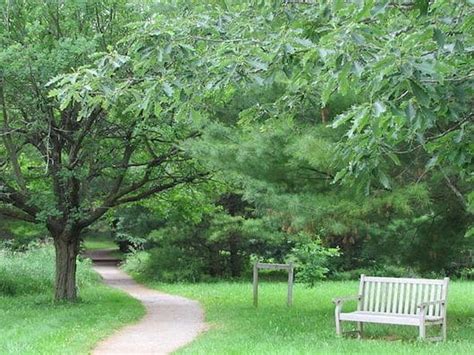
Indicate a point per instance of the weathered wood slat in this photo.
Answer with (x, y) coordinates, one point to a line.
(413, 294)
(401, 299)
(366, 296)
(408, 293)
(378, 297)
(439, 296)
(373, 286)
(362, 284)
(274, 266)
(376, 317)
(395, 299)
(388, 307)
(419, 298)
(430, 297)
(403, 280)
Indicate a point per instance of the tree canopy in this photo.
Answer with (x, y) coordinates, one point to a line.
(342, 120)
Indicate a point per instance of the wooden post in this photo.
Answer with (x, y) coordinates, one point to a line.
(255, 285)
(289, 267)
(290, 284)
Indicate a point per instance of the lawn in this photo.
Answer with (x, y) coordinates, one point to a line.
(30, 323)
(99, 243)
(308, 327)
(94, 243)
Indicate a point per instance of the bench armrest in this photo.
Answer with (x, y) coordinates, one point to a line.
(341, 300)
(423, 307)
(429, 303)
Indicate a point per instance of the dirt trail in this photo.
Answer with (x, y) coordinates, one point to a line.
(170, 323)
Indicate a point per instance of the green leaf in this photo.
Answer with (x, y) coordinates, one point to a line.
(384, 180)
(343, 77)
(157, 110)
(410, 111)
(419, 92)
(365, 11)
(394, 158)
(458, 138)
(360, 121)
(258, 65)
(423, 6)
(289, 49)
(305, 42)
(328, 90)
(338, 5)
(357, 69)
(439, 37)
(432, 162)
(357, 38)
(340, 175)
(379, 108)
(168, 89)
(379, 8)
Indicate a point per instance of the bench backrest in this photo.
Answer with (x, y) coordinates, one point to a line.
(393, 295)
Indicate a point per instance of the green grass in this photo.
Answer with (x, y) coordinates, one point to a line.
(92, 243)
(99, 243)
(308, 326)
(30, 323)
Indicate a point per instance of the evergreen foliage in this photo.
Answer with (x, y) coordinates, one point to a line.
(349, 122)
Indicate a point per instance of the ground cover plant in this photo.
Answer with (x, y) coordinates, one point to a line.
(307, 327)
(32, 323)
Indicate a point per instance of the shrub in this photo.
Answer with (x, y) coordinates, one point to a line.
(381, 270)
(137, 263)
(32, 271)
(167, 264)
(311, 259)
(467, 273)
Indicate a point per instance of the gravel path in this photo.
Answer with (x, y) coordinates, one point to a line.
(170, 323)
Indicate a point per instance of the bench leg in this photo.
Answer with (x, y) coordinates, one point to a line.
(360, 329)
(443, 330)
(422, 330)
(338, 323)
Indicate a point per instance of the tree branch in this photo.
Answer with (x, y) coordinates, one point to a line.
(7, 139)
(454, 189)
(16, 214)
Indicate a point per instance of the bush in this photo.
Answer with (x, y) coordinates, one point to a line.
(136, 263)
(17, 235)
(166, 264)
(128, 243)
(33, 271)
(311, 259)
(382, 270)
(467, 273)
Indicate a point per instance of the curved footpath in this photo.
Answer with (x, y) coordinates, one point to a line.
(170, 322)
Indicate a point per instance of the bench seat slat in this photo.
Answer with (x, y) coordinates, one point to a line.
(384, 318)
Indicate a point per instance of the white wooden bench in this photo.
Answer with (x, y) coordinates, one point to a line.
(390, 300)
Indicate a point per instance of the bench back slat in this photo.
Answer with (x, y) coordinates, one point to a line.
(401, 295)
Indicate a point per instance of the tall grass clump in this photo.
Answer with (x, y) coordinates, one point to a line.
(32, 271)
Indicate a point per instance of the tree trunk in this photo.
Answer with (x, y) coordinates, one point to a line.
(67, 249)
(235, 257)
